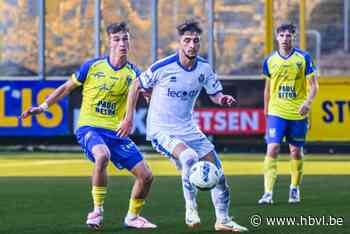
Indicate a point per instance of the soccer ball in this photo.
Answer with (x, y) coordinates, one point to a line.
(204, 175)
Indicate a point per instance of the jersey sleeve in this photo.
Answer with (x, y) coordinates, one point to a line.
(309, 66)
(80, 75)
(266, 71)
(148, 79)
(212, 85)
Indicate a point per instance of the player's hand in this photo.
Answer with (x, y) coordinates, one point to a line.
(227, 100)
(32, 111)
(124, 128)
(305, 108)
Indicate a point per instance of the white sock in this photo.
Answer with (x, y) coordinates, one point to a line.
(98, 209)
(220, 196)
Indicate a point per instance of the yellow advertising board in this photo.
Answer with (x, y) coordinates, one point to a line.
(330, 114)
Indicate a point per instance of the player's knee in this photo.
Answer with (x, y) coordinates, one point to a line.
(188, 157)
(273, 151)
(296, 153)
(101, 159)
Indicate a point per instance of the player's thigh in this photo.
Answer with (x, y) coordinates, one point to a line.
(296, 132)
(201, 145)
(92, 143)
(275, 129)
(168, 146)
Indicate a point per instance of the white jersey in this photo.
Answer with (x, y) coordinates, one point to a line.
(175, 90)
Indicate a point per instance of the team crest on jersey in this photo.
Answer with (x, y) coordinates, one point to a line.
(201, 78)
(98, 75)
(173, 79)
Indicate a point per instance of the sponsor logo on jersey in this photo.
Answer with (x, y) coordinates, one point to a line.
(183, 94)
(114, 78)
(106, 108)
(98, 75)
(286, 91)
(272, 132)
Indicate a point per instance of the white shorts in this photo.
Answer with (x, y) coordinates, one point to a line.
(197, 141)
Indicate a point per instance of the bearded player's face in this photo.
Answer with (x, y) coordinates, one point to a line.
(190, 44)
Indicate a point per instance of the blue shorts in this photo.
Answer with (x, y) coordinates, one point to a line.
(293, 130)
(124, 153)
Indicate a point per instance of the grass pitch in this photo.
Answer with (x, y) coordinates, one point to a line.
(50, 194)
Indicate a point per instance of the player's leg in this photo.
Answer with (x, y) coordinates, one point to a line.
(220, 195)
(180, 153)
(187, 158)
(296, 139)
(125, 154)
(96, 151)
(275, 131)
(140, 190)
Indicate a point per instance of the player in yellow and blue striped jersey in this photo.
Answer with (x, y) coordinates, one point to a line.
(105, 84)
(287, 102)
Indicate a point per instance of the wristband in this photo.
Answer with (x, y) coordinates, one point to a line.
(44, 106)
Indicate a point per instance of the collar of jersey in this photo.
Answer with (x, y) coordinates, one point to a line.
(115, 68)
(288, 56)
(186, 69)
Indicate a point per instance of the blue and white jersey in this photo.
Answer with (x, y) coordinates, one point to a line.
(175, 90)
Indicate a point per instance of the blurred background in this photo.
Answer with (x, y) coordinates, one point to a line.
(43, 42)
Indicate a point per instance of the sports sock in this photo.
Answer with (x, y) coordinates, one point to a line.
(296, 168)
(220, 196)
(135, 206)
(187, 158)
(270, 173)
(98, 195)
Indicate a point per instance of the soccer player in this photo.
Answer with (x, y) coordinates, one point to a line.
(176, 82)
(106, 83)
(287, 103)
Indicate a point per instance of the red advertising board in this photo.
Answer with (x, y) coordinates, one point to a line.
(230, 121)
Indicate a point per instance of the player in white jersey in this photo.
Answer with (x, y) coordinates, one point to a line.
(176, 82)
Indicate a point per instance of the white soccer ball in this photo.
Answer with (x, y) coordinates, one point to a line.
(204, 175)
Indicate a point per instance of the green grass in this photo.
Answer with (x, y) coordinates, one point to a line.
(55, 205)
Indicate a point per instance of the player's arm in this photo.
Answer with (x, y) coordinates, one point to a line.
(222, 99)
(125, 126)
(57, 94)
(266, 96)
(305, 108)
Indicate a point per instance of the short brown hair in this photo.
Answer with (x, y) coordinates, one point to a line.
(286, 27)
(117, 27)
(190, 25)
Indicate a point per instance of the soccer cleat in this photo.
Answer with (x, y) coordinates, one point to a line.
(228, 225)
(94, 220)
(294, 195)
(192, 218)
(266, 199)
(139, 223)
